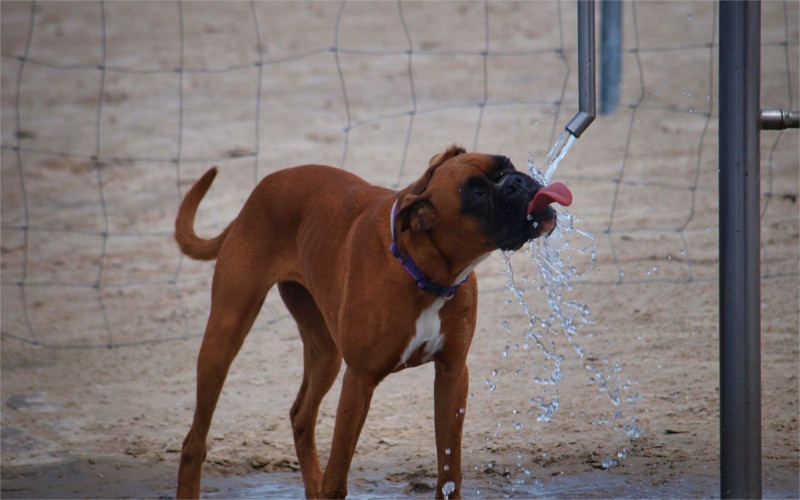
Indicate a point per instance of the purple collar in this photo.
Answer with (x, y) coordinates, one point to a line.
(419, 277)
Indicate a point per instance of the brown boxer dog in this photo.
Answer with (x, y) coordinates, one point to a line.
(382, 279)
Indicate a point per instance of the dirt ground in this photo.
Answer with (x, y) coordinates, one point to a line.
(89, 194)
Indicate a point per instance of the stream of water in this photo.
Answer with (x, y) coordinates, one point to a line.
(551, 336)
(554, 157)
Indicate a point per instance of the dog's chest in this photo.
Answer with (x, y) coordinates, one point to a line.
(428, 338)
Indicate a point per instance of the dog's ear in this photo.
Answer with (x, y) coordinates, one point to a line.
(452, 151)
(417, 213)
(422, 183)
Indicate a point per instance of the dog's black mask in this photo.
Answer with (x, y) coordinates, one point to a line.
(501, 199)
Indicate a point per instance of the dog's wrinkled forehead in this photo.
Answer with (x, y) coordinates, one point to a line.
(493, 167)
(456, 167)
(498, 167)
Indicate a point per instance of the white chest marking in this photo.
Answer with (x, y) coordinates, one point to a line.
(428, 333)
(428, 329)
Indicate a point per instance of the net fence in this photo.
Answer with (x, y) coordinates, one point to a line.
(110, 110)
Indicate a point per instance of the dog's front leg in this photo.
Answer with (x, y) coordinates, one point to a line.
(450, 400)
(353, 407)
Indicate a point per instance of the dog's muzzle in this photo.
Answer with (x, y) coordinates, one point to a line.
(522, 209)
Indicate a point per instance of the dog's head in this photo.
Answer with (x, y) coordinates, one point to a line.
(479, 201)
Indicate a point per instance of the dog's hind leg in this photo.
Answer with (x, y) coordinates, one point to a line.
(322, 360)
(236, 300)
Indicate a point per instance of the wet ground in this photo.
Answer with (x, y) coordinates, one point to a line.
(597, 484)
(121, 478)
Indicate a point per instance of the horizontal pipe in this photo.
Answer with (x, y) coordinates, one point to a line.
(587, 99)
(779, 119)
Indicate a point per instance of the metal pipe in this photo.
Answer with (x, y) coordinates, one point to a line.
(739, 249)
(587, 101)
(610, 54)
(779, 119)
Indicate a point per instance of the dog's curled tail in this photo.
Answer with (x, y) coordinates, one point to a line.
(191, 244)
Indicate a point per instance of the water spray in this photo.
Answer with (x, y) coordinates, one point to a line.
(553, 258)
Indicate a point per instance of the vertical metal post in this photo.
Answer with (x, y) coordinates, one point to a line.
(610, 54)
(739, 249)
(587, 100)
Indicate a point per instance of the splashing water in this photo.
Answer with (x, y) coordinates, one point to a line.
(448, 488)
(553, 258)
(566, 255)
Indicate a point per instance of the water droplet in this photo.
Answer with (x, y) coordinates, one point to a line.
(448, 489)
(447, 451)
(609, 462)
(632, 431)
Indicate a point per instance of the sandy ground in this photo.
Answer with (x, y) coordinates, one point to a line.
(99, 267)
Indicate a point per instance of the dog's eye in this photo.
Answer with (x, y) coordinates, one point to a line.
(477, 190)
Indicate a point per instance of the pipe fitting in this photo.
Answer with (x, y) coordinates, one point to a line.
(779, 119)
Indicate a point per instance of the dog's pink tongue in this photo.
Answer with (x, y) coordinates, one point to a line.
(556, 192)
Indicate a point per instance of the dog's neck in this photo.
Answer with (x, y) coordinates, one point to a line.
(419, 277)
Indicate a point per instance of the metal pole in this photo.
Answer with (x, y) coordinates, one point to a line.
(587, 101)
(739, 249)
(610, 54)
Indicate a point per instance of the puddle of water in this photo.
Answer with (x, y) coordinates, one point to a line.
(111, 477)
(594, 484)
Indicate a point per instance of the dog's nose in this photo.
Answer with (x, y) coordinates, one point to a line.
(513, 185)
